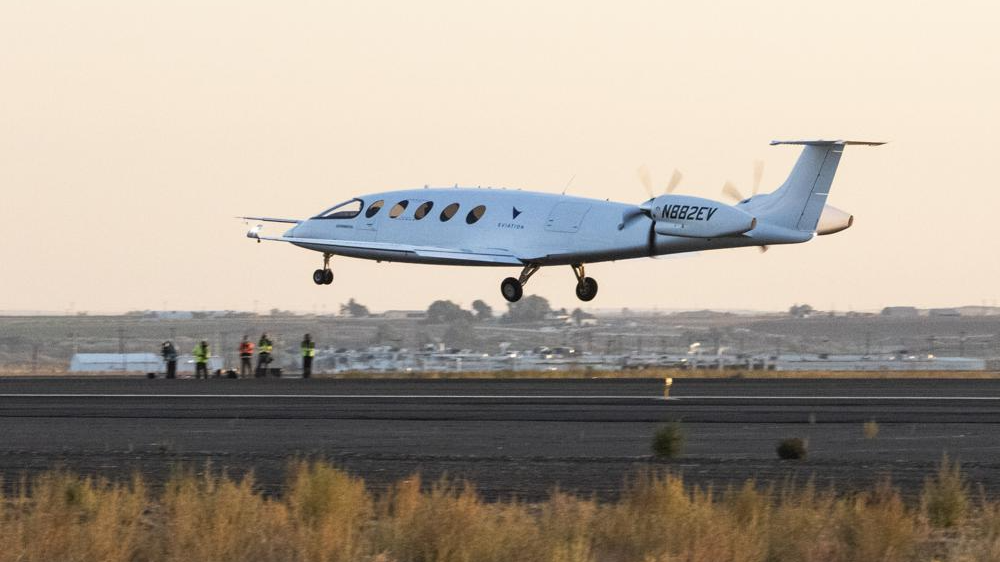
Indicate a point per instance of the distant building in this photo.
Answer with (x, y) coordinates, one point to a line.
(174, 315)
(901, 311)
(944, 312)
(405, 314)
(132, 363)
(115, 363)
(979, 311)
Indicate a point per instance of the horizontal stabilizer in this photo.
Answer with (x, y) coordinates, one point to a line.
(820, 142)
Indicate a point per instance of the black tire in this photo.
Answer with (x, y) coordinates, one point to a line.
(319, 277)
(586, 289)
(511, 289)
(328, 276)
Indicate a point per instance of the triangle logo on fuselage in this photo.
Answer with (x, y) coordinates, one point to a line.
(516, 212)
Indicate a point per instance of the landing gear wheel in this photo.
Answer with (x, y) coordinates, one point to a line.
(327, 276)
(511, 289)
(319, 276)
(586, 289)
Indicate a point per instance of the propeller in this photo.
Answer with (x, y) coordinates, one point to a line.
(730, 190)
(646, 178)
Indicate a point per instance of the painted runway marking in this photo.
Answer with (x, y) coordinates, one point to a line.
(385, 396)
(501, 397)
(839, 398)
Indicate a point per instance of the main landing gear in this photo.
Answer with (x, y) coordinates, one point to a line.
(586, 287)
(324, 276)
(513, 289)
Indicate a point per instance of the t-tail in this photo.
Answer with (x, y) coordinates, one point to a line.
(799, 205)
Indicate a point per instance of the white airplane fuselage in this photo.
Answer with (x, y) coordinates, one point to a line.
(546, 228)
(506, 227)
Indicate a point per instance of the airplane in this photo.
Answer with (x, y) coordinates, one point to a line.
(503, 228)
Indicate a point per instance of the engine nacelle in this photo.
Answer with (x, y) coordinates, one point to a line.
(832, 220)
(695, 217)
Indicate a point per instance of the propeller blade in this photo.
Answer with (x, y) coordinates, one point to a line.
(758, 174)
(675, 180)
(729, 190)
(647, 180)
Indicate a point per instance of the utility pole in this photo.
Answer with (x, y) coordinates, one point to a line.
(121, 348)
(961, 343)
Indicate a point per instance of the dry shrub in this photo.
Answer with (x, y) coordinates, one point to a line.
(793, 448)
(330, 510)
(68, 517)
(877, 526)
(451, 523)
(870, 429)
(668, 441)
(659, 519)
(220, 519)
(945, 497)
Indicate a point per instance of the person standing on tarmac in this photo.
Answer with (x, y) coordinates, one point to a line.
(264, 349)
(201, 355)
(246, 357)
(169, 353)
(308, 348)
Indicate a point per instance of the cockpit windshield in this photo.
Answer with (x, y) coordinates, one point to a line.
(345, 210)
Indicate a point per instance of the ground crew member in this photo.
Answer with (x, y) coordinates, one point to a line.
(246, 357)
(169, 353)
(308, 352)
(264, 349)
(201, 360)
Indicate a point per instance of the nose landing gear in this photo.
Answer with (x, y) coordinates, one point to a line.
(324, 276)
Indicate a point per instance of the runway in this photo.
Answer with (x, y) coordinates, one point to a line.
(510, 437)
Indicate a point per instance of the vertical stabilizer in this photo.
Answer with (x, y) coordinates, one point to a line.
(799, 202)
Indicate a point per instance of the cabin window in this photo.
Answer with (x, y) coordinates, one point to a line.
(398, 209)
(449, 212)
(475, 214)
(346, 210)
(423, 209)
(374, 208)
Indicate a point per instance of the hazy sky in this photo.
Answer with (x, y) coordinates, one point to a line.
(132, 131)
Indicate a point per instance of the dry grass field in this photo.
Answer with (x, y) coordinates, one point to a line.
(327, 515)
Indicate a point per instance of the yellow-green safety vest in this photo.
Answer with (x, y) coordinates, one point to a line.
(309, 349)
(201, 353)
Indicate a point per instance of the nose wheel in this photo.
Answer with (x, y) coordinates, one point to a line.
(586, 287)
(324, 276)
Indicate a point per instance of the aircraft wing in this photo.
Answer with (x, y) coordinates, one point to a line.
(491, 255)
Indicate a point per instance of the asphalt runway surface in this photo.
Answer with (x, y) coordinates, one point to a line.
(511, 438)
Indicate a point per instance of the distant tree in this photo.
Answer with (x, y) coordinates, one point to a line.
(532, 308)
(579, 316)
(385, 334)
(446, 312)
(354, 309)
(483, 310)
(800, 311)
